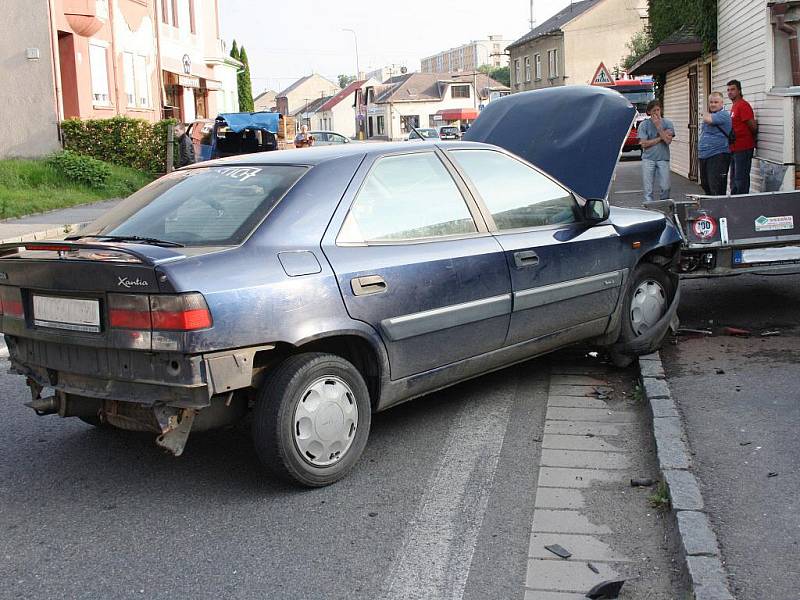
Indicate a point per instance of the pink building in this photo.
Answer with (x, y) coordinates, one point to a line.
(141, 58)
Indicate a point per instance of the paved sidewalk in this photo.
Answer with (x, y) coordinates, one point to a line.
(591, 448)
(53, 224)
(626, 189)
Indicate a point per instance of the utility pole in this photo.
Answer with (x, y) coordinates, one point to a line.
(355, 39)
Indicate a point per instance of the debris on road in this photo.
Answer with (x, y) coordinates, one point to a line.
(602, 392)
(719, 371)
(558, 550)
(689, 331)
(770, 333)
(772, 474)
(607, 589)
(642, 482)
(738, 331)
(745, 443)
(592, 568)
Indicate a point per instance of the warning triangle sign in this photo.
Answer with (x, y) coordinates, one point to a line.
(602, 76)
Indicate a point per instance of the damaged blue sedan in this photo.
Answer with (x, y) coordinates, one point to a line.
(310, 288)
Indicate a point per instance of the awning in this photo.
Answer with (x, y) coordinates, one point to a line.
(456, 114)
(256, 120)
(667, 57)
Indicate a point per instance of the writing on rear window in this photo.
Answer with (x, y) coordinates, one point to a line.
(240, 173)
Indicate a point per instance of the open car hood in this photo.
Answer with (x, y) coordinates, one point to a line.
(573, 133)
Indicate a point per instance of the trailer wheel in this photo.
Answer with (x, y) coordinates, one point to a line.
(312, 419)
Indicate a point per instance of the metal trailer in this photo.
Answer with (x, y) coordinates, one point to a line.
(730, 235)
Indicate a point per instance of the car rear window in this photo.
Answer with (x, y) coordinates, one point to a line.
(213, 206)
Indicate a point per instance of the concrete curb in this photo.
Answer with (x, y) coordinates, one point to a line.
(707, 577)
(45, 234)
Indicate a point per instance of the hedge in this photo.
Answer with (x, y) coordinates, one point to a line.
(123, 141)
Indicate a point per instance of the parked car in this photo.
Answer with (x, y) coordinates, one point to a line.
(232, 134)
(449, 132)
(314, 287)
(427, 133)
(329, 138)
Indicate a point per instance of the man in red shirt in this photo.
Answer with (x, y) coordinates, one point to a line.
(745, 127)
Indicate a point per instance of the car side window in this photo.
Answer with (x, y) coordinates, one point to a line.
(517, 195)
(407, 197)
(320, 136)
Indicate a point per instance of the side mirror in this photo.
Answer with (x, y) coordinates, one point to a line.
(596, 210)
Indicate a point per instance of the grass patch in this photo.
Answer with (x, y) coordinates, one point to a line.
(660, 499)
(32, 186)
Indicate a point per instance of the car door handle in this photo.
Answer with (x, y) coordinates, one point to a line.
(369, 284)
(526, 258)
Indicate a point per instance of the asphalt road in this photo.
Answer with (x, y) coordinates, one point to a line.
(440, 505)
(741, 408)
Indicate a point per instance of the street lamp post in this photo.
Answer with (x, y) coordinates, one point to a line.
(355, 40)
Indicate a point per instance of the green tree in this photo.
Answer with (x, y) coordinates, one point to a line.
(244, 84)
(640, 44)
(499, 74)
(234, 50)
(345, 80)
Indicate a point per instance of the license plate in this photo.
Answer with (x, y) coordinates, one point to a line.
(74, 314)
(767, 256)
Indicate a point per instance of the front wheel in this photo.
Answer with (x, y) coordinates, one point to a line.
(312, 419)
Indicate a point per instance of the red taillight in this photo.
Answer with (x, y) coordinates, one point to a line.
(182, 312)
(11, 302)
(49, 247)
(129, 311)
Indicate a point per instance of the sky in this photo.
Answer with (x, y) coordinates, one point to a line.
(285, 41)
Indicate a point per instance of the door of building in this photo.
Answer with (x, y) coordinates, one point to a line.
(694, 119)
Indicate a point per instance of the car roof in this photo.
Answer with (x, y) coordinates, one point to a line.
(318, 154)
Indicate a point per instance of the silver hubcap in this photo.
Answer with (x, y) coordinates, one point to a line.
(325, 421)
(648, 305)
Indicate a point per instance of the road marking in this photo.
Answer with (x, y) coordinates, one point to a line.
(439, 543)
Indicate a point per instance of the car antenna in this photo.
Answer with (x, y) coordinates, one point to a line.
(414, 129)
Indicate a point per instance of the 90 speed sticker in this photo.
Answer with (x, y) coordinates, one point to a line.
(705, 227)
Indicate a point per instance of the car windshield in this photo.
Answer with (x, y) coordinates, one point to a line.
(214, 206)
(425, 133)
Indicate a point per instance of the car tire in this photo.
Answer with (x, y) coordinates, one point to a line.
(647, 299)
(312, 419)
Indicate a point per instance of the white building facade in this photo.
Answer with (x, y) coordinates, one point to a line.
(468, 57)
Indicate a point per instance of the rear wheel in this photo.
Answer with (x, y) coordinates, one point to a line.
(312, 419)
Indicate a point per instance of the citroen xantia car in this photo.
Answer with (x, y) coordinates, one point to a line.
(314, 287)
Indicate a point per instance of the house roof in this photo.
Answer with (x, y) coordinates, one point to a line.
(415, 87)
(556, 22)
(345, 93)
(300, 82)
(267, 93)
(681, 47)
(312, 106)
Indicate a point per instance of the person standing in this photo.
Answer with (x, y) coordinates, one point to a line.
(655, 136)
(303, 139)
(745, 127)
(714, 147)
(186, 154)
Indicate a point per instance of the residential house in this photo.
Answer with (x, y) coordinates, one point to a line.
(304, 91)
(568, 47)
(265, 101)
(310, 114)
(338, 113)
(425, 100)
(28, 93)
(146, 59)
(468, 57)
(754, 45)
(387, 72)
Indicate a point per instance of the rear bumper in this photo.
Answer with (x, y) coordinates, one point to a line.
(146, 378)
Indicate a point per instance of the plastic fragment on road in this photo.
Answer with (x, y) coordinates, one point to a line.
(559, 550)
(772, 474)
(770, 333)
(735, 331)
(606, 589)
(592, 568)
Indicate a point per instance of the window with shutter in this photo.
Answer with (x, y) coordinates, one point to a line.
(99, 73)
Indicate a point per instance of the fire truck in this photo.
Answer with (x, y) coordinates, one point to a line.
(639, 92)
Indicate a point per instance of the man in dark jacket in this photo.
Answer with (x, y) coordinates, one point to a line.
(185, 147)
